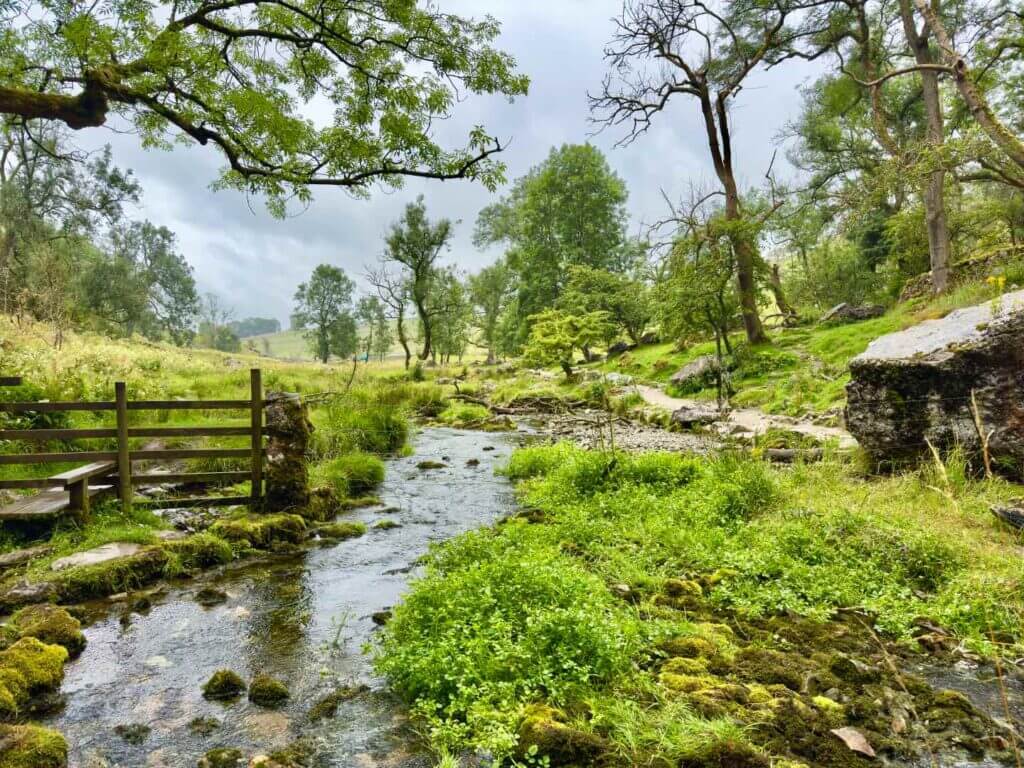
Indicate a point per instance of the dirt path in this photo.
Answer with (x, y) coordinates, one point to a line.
(751, 420)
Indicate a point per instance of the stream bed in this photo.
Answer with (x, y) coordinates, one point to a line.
(303, 619)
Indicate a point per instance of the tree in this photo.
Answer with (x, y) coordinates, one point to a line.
(323, 306)
(489, 292)
(215, 325)
(570, 210)
(555, 335)
(371, 315)
(415, 244)
(625, 299)
(451, 329)
(239, 76)
(393, 291)
(705, 54)
(256, 326)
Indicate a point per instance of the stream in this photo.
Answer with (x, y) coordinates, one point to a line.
(303, 619)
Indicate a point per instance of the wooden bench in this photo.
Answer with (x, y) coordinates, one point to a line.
(72, 492)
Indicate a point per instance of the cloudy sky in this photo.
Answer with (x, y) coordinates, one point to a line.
(255, 261)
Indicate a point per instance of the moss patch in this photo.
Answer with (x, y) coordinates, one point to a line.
(222, 757)
(261, 532)
(543, 732)
(223, 685)
(265, 691)
(51, 625)
(327, 707)
(28, 668)
(341, 531)
(29, 746)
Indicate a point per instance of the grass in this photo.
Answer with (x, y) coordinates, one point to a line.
(804, 371)
(533, 609)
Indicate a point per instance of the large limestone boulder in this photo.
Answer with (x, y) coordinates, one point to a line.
(697, 374)
(850, 313)
(914, 387)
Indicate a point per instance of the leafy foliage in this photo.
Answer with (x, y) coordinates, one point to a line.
(324, 307)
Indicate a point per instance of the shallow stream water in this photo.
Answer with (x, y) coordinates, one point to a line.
(303, 619)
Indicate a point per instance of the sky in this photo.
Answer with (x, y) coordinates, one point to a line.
(254, 262)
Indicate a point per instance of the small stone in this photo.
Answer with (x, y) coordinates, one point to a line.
(386, 525)
(621, 590)
(425, 465)
(223, 685)
(204, 726)
(158, 662)
(265, 691)
(222, 757)
(21, 556)
(380, 618)
(473, 463)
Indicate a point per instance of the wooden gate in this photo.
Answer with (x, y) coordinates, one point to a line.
(112, 469)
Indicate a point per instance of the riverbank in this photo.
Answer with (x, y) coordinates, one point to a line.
(668, 610)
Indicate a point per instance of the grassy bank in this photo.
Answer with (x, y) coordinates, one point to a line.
(645, 609)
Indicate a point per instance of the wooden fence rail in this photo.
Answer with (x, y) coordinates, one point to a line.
(115, 465)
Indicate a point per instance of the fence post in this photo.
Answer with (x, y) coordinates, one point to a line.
(124, 464)
(256, 412)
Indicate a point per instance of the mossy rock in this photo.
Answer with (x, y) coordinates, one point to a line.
(133, 733)
(426, 465)
(686, 683)
(261, 532)
(853, 670)
(689, 647)
(223, 685)
(51, 625)
(726, 753)
(323, 505)
(832, 710)
(766, 666)
(386, 525)
(341, 531)
(210, 596)
(543, 732)
(681, 665)
(223, 757)
(683, 588)
(360, 502)
(29, 746)
(265, 691)
(28, 668)
(327, 707)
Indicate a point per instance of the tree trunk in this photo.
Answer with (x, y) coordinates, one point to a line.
(775, 282)
(400, 328)
(746, 258)
(933, 194)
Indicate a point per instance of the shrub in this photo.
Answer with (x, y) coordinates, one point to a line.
(464, 413)
(537, 460)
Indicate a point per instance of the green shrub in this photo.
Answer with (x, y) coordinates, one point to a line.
(471, 641)
(458, 413)
(537, 460)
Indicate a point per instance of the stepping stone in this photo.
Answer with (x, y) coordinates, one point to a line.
(19, 556)
(102, 554)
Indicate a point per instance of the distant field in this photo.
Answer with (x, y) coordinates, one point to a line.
(285, 345)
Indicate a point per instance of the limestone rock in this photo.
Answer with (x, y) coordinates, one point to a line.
(102, 554)
(849, 313)
(915, 386)
(694, 414)
(697, 374)
(618, 348)
(21, 556)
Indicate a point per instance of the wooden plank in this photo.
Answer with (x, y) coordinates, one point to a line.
(188, 477)
(256, 422)
(184, 405)
(124, 460)
(45, 505)
(207, 501)
(59, 458)
(10, 381)
(41, 482)
(190, 453)
(44, 435)
(46, 406)
(84, 473)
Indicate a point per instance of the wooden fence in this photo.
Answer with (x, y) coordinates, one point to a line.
(114, 467)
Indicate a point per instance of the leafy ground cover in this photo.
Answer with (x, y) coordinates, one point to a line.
(665, 610)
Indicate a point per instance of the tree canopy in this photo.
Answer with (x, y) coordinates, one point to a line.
(244, 76)
(323, 306)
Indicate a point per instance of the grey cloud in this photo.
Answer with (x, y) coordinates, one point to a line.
(255, 261)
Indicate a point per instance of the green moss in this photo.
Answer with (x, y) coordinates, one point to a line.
(204, 726)
(133, 733)
(298, 754)
(686, 683)
(543, 733)
(386, 525)
(203, 550)
(341, 531)
(27, 668)
(360, 502)
(323, 505)
(223, 685)
(261, 532)
(222, 757)
(431, 465)
(765, 666)
(29, 746)
(833, 711)
(327, 707)
(121, 575)
(265, 691)
(688, 647)
(685, 666)
(51, 625)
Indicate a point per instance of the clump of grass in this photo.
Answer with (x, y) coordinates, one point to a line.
(352, 474)
(459, 414)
